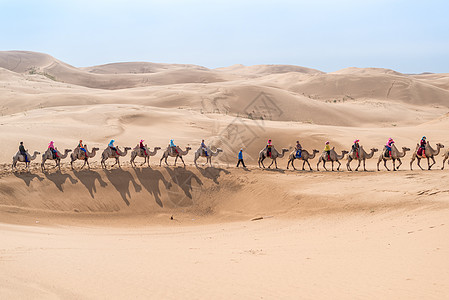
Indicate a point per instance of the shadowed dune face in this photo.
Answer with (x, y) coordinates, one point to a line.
(216, 193)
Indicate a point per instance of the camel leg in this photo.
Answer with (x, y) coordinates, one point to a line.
(358, 166)
(411, 163)
(275, 163)
(180, 157)
(176, 159)
(83, 164)
(272, 160)
(339, 164)
(385, 164)
(348, 164)
(288, 163)
(364, 168)
(261, 162)
(307, 163)
(394, 165)
(400, 163)
(324, 164)
(444, 161)
(118, 162)
(433, 162)
(88, 166)
(419, 163)
(210, 161)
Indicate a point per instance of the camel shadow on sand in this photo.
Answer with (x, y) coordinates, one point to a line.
(88, 178)
(212, 173)
(120, 179)
(27, 177)
(149, 179)
(59, 179)
(183, 178)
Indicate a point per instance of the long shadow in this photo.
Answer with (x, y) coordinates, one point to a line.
(27, 177)
(149, 179)
(59, 179)
(183, 178)
(120, 180)
(212, 173)
(87, 178)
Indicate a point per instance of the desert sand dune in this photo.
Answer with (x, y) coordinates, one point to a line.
(173, 232)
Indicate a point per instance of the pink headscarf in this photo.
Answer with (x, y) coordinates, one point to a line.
(141, 141)
(51, 145)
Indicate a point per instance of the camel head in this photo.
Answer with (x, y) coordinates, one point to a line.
(440, 145)
(374, 149)
(188, 148)
(95, 148)
(344, 152)
(219, 150)
(315, 151)
(405, 149)
(127, 148)
(284, 150)
(157, 148)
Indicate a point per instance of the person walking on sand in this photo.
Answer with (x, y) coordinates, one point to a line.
(241, 159)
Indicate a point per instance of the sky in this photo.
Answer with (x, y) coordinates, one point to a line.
(407, 36)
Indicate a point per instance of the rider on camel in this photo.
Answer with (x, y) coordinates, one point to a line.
(268, 148)
(23, 151)
(204, 148)
(356, 147)
(327, 149)
(111, 145)
(173, 146)
(388, 146)
(82, 148)
(143, 147)
(422, 147)
(298, 149)
(51, 146)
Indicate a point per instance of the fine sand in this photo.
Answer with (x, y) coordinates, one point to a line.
(220, 232)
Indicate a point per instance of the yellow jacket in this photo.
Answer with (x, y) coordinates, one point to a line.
(327, 148)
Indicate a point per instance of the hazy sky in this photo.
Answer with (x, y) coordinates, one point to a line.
(408, 36)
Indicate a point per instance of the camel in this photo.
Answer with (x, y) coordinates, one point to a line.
(334, 157)
(171, 152)
(395, 155)
(430, 154)
(305, 156)
(362, 157)
(48, 155)
(109, 153)
(21, 158)
(274, 155)
(200, 153)
(78, 154)
(137, 151)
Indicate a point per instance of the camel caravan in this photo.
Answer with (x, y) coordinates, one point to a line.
(357, 153)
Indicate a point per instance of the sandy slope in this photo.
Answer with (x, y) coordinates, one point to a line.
(97, 234)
